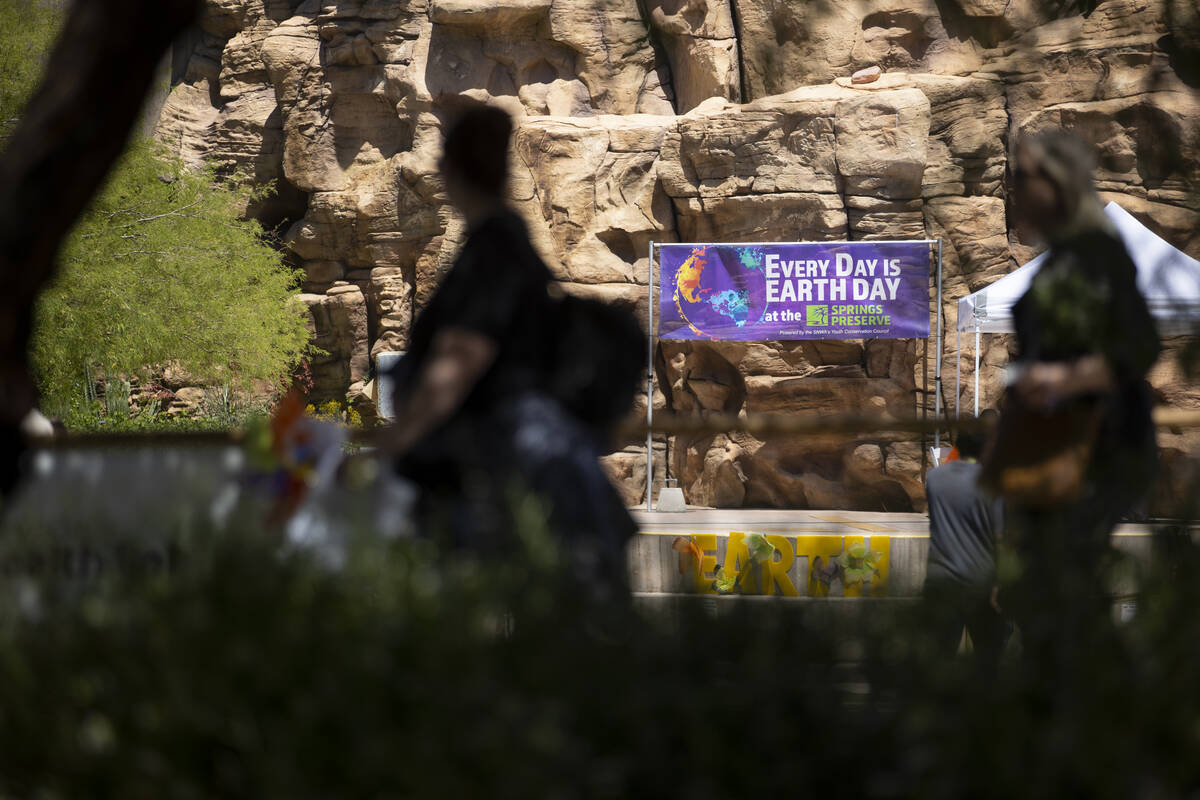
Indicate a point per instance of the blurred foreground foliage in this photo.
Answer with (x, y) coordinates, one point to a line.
(251, 670)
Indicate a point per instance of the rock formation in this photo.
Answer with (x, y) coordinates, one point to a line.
(691, 120)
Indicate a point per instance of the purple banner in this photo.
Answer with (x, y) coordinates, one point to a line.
(813, 290)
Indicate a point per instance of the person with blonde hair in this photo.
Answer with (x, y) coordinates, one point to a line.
(1075, 448)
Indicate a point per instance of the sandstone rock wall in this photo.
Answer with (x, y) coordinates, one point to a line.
(690, 120)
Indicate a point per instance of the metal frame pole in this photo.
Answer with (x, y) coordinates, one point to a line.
(650, 382)
(937, 371)
(977, 370)
(765, 244)
(957, 368)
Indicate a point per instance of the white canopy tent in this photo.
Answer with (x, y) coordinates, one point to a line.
(1168, 278)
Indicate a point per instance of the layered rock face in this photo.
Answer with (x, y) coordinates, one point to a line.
(689, 120)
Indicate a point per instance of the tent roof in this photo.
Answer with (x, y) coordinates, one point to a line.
(1169, 279)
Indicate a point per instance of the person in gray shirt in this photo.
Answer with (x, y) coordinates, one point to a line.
(961, 569)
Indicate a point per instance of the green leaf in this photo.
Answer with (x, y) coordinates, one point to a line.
(856, 575)
(724, 583)
(759, 548)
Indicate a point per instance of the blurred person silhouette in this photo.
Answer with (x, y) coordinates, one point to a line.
(1075, 447)
(486, 417)
(960, 573)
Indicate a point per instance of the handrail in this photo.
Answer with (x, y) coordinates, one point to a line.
(757, 425)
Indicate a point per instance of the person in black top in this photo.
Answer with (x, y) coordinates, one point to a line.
(1086, 341)
(476, 429)
(960, 571)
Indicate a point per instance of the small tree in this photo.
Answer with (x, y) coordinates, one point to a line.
(160, 268)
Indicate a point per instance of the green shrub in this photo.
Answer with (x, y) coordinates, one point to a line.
(161, 268)
(27, 29)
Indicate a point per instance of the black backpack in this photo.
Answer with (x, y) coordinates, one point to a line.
(597, 361)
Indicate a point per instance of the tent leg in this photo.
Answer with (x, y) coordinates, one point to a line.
(957, 368)
(977, 371)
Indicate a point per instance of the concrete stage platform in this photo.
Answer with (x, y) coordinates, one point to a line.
(806, 541)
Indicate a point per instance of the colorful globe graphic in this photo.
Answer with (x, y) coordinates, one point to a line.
(715, 299)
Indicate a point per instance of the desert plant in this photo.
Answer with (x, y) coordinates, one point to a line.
(160, 268)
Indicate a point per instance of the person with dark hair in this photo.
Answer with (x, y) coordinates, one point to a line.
(476, 427)
(960, 571)
(1075, 448)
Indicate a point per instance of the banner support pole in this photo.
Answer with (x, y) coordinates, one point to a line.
(650, 380)
(937, 370)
